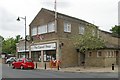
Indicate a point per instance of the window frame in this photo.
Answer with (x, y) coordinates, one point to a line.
(34, 31)
(51, 28)
(67, 27)
(81, 29)
(99, 53)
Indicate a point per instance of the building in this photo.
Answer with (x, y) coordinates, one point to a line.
(55, 42)
(119, 13)
(105, 56)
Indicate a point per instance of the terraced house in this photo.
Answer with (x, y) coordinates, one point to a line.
(53, 41)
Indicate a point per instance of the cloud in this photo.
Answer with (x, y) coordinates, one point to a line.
(8, 23)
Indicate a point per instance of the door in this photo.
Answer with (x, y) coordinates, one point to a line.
(82, 58)
(117, 57)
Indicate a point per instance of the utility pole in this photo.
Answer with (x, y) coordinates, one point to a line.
(55, 16)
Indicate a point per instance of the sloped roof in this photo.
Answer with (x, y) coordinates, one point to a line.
(53, 12)
(112, 46)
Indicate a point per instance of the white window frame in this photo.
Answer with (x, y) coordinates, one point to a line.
(42, 29)
(67, 27)
(51, 27)
(107, 53)
(98, 53)
(93, 32)
(34, 31)
(112, 53)
(81, 30)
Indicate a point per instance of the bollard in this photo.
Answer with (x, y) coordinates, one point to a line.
(45, 65)
(112, 66)
(9, 64)
(58, 66)
(36, 65)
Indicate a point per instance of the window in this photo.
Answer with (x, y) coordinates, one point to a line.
(109, 54)
(99, 53)
(67, 27)
(89, 54)
(93, 32)
(81, 30)
(42, 29)
(49, 55)
(51, 27)
(34, 31)
(112, 53)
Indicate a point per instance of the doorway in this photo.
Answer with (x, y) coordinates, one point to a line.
(82, 59)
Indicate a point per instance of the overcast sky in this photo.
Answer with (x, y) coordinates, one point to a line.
(103, 13)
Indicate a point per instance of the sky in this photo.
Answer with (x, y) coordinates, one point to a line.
(102, 13)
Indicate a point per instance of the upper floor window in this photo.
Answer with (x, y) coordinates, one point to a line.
(93, 32)
(42, 29)
(67, 27)
(51, 27)
(34, 31)
(81, 30)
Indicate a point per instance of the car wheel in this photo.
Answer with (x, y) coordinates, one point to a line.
(21, 67)
(8, 62)
(13, 66)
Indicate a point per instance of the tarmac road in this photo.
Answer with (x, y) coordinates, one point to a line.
(8, 72)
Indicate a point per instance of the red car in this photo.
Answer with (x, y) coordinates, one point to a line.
(23, 63)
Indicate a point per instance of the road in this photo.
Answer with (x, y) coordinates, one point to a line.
(8, 72)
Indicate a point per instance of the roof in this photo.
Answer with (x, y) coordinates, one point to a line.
(53, 12)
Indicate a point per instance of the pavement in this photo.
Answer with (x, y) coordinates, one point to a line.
(83, 69)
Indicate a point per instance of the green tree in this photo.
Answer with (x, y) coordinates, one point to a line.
(88, 42)
(116, 30)
(9, 45)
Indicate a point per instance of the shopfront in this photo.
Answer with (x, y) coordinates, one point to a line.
(44, 53)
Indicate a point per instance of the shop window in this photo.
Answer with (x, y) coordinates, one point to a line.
(36, 56)
(99, 53)
(89, 54)
(49, 55)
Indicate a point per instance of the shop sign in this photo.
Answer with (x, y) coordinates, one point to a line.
(22, 49)
(50, 46)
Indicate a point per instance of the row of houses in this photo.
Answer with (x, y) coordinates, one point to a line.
(53, 41)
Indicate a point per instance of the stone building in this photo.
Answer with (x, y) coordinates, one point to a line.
(52, 41)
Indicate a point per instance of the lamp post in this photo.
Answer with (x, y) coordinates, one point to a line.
(24, 18)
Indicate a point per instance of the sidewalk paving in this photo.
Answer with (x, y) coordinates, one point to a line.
(82, 69)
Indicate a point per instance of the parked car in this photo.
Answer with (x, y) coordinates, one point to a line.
(23, 63)
(10, 60)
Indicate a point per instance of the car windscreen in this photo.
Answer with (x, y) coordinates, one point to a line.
(28, 60)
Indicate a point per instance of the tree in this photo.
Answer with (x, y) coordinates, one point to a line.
(9, 45)
(88, 42)
(116, 30)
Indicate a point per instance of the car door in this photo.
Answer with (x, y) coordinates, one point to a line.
(20, 63)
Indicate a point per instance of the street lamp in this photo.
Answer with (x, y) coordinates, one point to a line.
(24, 18)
